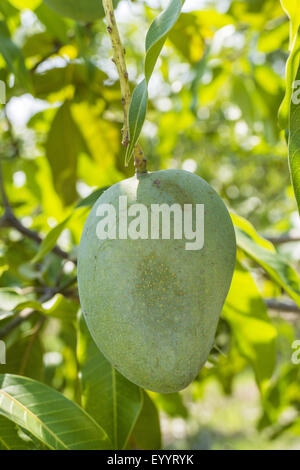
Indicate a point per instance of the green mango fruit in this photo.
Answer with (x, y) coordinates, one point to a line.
(79, 10)
(152, 305)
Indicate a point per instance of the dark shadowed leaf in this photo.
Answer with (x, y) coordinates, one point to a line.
(111, 399)
(13, 57)
(63, 146)
(10, 438)
(146, 434)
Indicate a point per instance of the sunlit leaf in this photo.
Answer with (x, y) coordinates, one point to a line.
(58, 422)
(294, 141)
(171, 403)
(50, 240)
(250, 325)
(30, 4)
(275, 265)
(90, 200)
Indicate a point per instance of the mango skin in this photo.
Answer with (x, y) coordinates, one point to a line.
(151, 306)
(79, 10)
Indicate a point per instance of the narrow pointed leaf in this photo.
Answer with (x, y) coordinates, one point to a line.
(272, 262)
(136, 116)
(91, 198)
(50, 240)
(155, 40)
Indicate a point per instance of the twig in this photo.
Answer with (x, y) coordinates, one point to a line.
(140, 161)
(284, 239)
(280, 306)
(3, 193)
(28, 312)
(10, 220)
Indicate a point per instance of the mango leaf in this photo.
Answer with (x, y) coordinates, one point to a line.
(9, 437)
(50, 240)
(13, 57)
(38, 44)
(292, 9)
(82, 76)
(251, 327)
(171, 403)
(111, 399)
(146, 434)
(25, 357)
(10, 298)
(58, 307)
(294, 142)
(272, 262)
(53, 22)
(90, 200)
(155, 39)
(136, 116)
(49, 416)
(63, 146)
(85, 10)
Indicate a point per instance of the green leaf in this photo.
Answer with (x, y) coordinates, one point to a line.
(63, 146)
(79, 10)
(53, 22)
(251, 327)
(292, 9)
(13, 56)
(157, 35)
(82, 76)
(30, 4)
(291, 72)
(92, 198)
(10, 298)
(38, 44)
(272, 262)
(294, 141)
(50, 240)
(155, 39)
(171, 403)
(25, 357)
(49, 416)
(136, 116)
(146, 434)
(111, 399)
(9, 437)
(58, 307)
